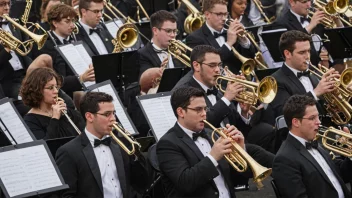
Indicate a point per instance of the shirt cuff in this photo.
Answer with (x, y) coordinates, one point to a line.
(228, 46)
(244, 42)
(315, 96)
(226, 101)
(212, 160)
(245, 120)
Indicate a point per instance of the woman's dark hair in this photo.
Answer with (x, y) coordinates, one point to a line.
(33, 84)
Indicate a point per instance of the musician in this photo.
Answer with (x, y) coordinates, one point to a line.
(12, 65)
(154, 54)
(44, 9)
(92, 30)
(190, 164)
(62, 19)
(294, 77)
(212, 33)
(302, 168)
(92, 164)
(40, 91)
(237, 10)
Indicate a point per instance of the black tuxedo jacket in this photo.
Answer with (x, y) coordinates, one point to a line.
(288, 85)
(298, 174)
(186, 172)
(289, 21)
(104, 34)
(80, 170)
(148, 58)
(203, 36)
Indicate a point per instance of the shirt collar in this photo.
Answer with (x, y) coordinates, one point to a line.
(297, 16)
(92, 137)
(85, 26)
(187, 131)
(301, 140)
(204, 87)
(212, 30)
(295, 71)
(156, 47)
(61, 39)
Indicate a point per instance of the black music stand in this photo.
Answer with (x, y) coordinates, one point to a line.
(144, 28)
(265, 72)
(170, 78)
(55, 144)
(120, 68)
(340, 45)
(271, 40)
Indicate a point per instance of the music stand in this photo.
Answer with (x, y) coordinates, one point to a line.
(265, 72)
(341, 37)
(120, 68)
(55, 144)
(144, 28)
(170, 78)
(271, 38)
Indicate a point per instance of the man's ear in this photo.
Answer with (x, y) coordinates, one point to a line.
(180, 112)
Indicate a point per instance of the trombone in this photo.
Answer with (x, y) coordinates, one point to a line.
(335, 140)
(126, 37)
(113, 9)
(239, 159)
(134, 144)
(58, 99)
(195, 20)
(260, 7)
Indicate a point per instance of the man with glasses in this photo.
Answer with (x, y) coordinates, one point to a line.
(94, 165)
(92, 30)
(154, 54)
(213, 33)
(302, 168)
(191, 165)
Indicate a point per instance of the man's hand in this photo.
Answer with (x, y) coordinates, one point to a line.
(233, 90)
(235, 28)
(88, 75)
(233, 133)
(327, 83)
(324, 56)
(317, 17)
(245, 110)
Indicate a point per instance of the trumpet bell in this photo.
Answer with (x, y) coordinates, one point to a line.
(346, 77)
(267, 89)
(193, 22)
(126, 37)
(341, 6)
(247, 66)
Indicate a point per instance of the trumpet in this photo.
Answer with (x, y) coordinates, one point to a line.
(239, 159)
(335, 140)
(193, 21)
(134, 144)
(58, 99)
(331, 9)
(178, 50)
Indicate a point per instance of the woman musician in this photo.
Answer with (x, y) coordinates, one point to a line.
(40, 91)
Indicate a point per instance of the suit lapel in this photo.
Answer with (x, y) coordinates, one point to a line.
(209, 36)
(293, 78)
(92, 160)
(85, 37)
(116, 152)
(295, 23)
(154, 55)
(314, 80)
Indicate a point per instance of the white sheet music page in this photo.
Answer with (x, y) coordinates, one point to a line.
(76, 60)
(27, 170)
(160, 114)
(14, 124)
(118, 107)
(113, 28)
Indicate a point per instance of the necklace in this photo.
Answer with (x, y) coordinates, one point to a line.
(49, 113)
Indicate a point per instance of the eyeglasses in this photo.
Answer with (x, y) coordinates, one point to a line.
(170, 31)
(212, 65)
(221, 15)
(107, 114)
(3, 4)
(313, 118)
(96, 11)
(70, 21)
(51, 88)
(199, 110)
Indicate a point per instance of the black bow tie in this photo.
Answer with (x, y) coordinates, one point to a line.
(312, 144)
(213, 91)
(304, 73)
(303, 19)
(3, 23)
(105, 141)
(200, 134)
(66, 41)
(223, 33)
(96, 30)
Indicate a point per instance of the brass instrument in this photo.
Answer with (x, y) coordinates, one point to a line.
(331, 9)
(326, 22)
(193, 21)
(260, 7)
(27, 9)
(178, 49)
(335, 140)
(134, 144)
(126, 37)
(113, 9)
(343, 7)
(239, 159)
(143, 10)
(259, 59)
(58, 99)
(264, 91)
(337, 101)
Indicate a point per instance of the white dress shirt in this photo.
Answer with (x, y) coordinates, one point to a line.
(324, 165)
(305, 23)
(14, 61)
(61, 39)
(162, 54)
(243, 41)
(205, 147)
(307, 84)
(107, 167)
(212, 99)
(95, 38)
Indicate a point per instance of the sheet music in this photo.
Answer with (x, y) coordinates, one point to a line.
(84, 54)
(27, 170)
(160, 114)
(14, 124)
(6, 132)
(113, 28)
(118, 107)
(78, 63)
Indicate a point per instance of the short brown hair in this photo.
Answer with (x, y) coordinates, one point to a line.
(85, 4)
(158, 18)
(59, 12)
(209, 4)
(289, 39)
(43, 7)
(33, 85)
